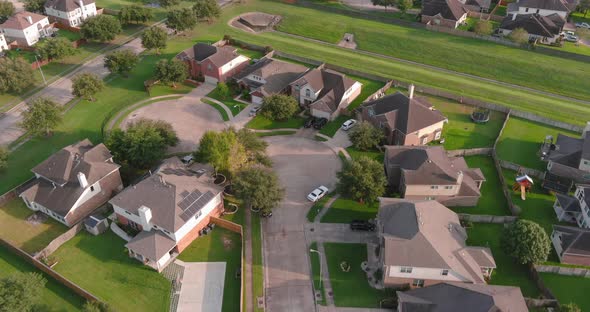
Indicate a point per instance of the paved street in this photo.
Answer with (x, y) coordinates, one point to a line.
(338, 233)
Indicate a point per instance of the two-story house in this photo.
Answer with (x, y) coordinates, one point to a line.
(169, 207)
(213, 64)
(70, 12)
(544, 29)
(26, 28)
(423, 243)
(73, 182)
(3, 43)
(405, 120)
(541, 7)
(574, 209)
(325, 92)
(571, 244)
(426, 172)
(269, 76)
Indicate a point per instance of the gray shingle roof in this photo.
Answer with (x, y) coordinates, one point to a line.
(277, 74)
(546, 26)
(219, 56)
(574, 240)
(568, 151)
(448, 9)
(19, 20)
(152, 244)
(554, 5)
(66, 5)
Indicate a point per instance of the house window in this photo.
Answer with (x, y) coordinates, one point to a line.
(209, 67)
(537, 11)
(418, 283)
(307, 92)
(526, 10)
(581, 196)
(127, 212)
(448, 187)
(406, 270)
(92, 188)
(586, 162)
(434, 187)
(424, 140)
(198, 214)
(444, 272)
(437, 135)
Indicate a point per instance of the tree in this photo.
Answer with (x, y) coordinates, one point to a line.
(168, 3)
(121, 61)
(483, 27)
(55, 48)
(526, 241)
(279, 107)
(223, 90)
(143, 143)
(362, 179)
(584, 6)
(404, 5)
(20, 292)
(86, 85)
(254, 146)
(3, 157)
(15, 75)
(384, 3)
(570, 307)
(42, 117)
(519, 36)
(259, 188)
(181, 20)
(171, 71)
(365, 136)
(6, 10)
(134, 13)
(154, 38)
(101, 28)
(35, 6)
(206, 10)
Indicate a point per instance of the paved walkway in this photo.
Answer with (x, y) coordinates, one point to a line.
(202, 286)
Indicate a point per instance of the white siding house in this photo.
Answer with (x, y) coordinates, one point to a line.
(3, 43)
(70, 12)
(26, 28)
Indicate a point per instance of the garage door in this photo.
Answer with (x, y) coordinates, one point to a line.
(210, 80)
(256, 100)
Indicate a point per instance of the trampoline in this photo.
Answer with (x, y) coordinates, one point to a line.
(480, 115)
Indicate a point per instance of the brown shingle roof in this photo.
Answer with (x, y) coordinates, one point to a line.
(277, 74)
(67, 5)
(20, 21)
(546, 26)
(448, 9)
(331, 86)
(152, 244)
(219, 56)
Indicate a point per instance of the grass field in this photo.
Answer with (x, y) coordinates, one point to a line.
(101, 265)
(373, 154)
(28, 237)
(332, 127)
(351, 289)
(508, 272)
(345, 210)
(262, 123)
(317, 207)
(522, 139)
(54, 297)
(568, 289)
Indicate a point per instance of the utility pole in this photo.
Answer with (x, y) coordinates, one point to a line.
(41, 70)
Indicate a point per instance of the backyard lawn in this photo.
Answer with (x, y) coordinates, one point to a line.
(101, 265)
(27, 236)
(508, 272)
(369, 87)
(220, 245)
(351, 289)
(521, 141)
(568, 289)
(345, 210)
(492, 201)
(262, 123)
(55, 296)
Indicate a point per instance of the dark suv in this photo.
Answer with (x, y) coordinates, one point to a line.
(320, 123)
(362, 225)
(308, 123)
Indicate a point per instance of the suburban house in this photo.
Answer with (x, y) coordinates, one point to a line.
(73, 182)
(571, 244)
(269, 76)
(545, 29)
(405, 120)
(427, 173)
(325, 92)
(541, 7)
(26, 28)
(212, 63)
(447, 13)
(453, 296)
(3, 43)
(423, 243)
(574, 209)
(568, 161)
(70, 12)
(169, 208)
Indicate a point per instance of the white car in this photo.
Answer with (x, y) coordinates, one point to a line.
(571, 38)
(583, 25)
(254, 111)
(348, 124)
(317, 194)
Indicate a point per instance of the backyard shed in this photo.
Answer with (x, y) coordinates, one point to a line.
(96, 225)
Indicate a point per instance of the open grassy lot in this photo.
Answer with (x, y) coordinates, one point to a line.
(25, 235)
(220, 245)
(55, 297)
(101, 265)
(344, 210)
(522, 139)
(262, 123)
(351, 289)
(318, 285)
(508, 272)
(569, 289)
(492, 201)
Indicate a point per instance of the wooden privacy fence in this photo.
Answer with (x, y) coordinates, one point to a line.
(582, 272)
(60, 240)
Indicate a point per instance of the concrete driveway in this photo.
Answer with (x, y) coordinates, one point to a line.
(189, 117)
(302, 164)
(202, 287)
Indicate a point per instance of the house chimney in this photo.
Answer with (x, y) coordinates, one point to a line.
(411, 91)
(82, 180)
(30, 19)
(460, 178)
(145, 216)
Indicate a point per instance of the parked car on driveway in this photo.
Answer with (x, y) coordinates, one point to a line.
(308, 123)
(317, 194)
(254, 111)
(348, 124)
(583, 25)
(320, 123)
(362, 225)
(571, 38)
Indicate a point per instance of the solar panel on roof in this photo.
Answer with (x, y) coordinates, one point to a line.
(184, 194)
(195, 206)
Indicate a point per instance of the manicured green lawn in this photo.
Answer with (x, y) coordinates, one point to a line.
(70, 35)
(159, 13)
(568, 289)
(162, 89)
(571, 47)
(461, 132)
(351, 289)
(235, 106)
(344, 210)
(150, 102)
(218, 107)
(257, 263)
(275, 133)
(318, 285)
(492, 200)
(262, 123)
(373, 154)
(521, 141)
(332, 127)
(369, 87)
(508, 272)
(28, 237)
(316, 208)
(101, 265)
(54, 297)
(220, 245)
